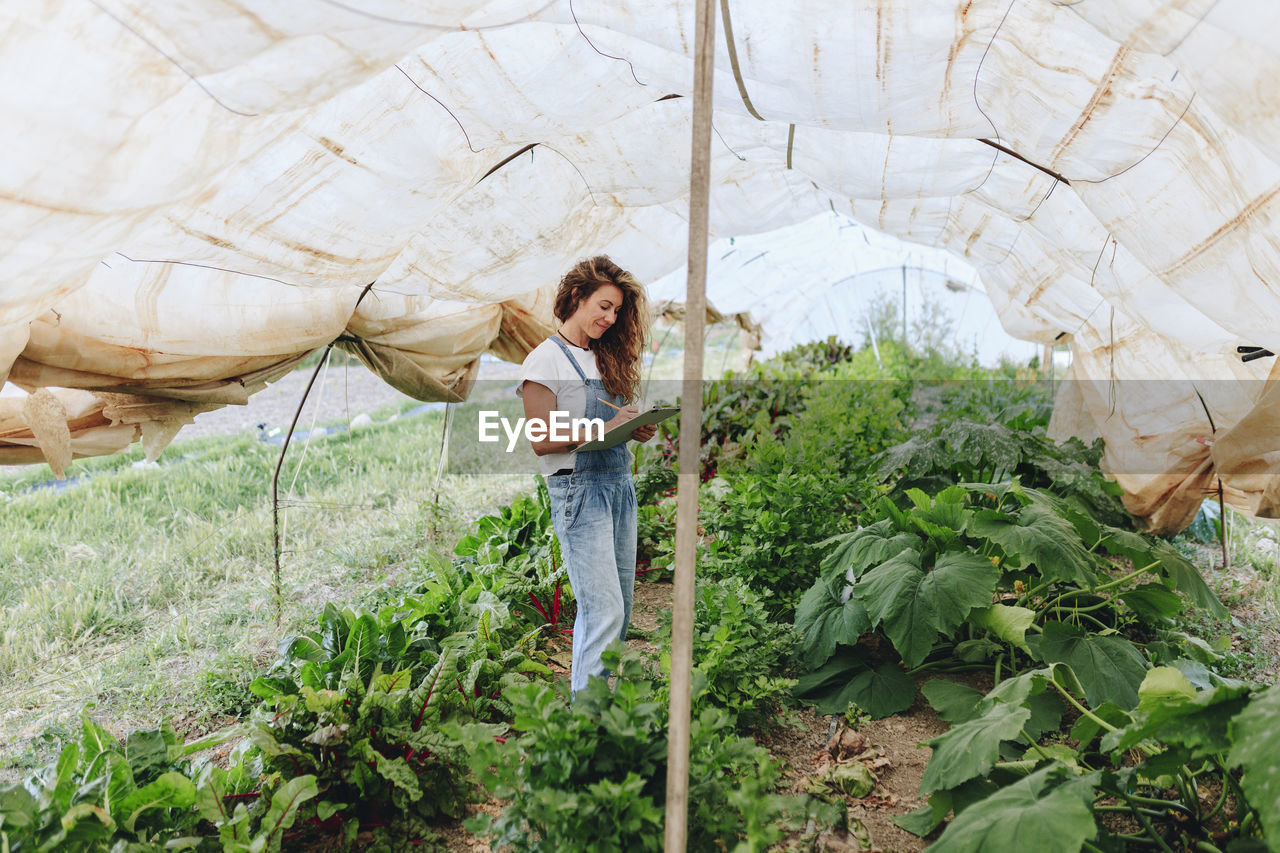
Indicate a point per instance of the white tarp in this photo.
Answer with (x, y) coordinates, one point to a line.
(830, 277)
(195, 193)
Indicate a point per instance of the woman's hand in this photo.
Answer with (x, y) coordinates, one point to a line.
(625, 414)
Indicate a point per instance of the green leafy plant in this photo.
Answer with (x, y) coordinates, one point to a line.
(974, 452)
(519, 547)
(816, 355)
(518, 528)
(1161, 774)
(654, 471)
(742, 654)
(851, 411)
(1206, 527)
(236, 824)
(381, 710)
(101, 794)
(656, 538)
(995, 575)
(1024, 405)
(592, 774)
(788, 490)
(766, 530)
(347, 644)
(389, 754)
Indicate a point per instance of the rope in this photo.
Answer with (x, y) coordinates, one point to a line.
(733, 62)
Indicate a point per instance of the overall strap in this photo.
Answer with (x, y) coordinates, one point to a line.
(565, 349)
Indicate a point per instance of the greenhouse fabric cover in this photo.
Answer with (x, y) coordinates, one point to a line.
(197, 193)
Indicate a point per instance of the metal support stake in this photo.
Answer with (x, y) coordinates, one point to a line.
(275, 485)
(275, 478)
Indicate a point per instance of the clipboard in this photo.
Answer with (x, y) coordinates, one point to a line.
(622, 432)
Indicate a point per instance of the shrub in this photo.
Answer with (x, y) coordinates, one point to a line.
(740, 651)
(591, 775)
(767, 531)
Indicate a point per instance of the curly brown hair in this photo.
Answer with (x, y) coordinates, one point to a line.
(619, 350)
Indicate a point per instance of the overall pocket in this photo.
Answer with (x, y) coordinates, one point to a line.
(573, 504)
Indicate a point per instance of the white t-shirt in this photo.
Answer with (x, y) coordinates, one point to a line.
(548, 366)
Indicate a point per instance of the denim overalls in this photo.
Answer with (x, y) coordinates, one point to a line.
(594, 513)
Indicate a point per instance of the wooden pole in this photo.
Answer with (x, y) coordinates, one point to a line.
(677, 815)
(1222, 528)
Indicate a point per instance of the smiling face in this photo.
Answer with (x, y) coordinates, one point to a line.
(597, 312)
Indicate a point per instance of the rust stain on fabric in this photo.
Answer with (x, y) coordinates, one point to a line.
(208, 238)
(43, 205)
(962, 33)
(882, 50)
(314, 252)
(337, 150)
(1102, 95)
(1226, 228)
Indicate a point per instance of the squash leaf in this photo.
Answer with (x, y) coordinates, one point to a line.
(1048, 812)
(1256, 735)
(913, 606)
(1109, 667)
(827, 621)
(971, 748)
(1037, 535)
(879, 692)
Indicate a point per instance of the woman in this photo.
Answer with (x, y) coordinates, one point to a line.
(591, 368)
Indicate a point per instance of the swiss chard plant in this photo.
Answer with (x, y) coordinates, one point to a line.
(146, 793)
(999, 576)
(380, 709)
(520, 548)
(388, 754)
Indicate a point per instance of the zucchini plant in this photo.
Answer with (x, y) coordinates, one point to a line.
(999, 576)
(1188, 767)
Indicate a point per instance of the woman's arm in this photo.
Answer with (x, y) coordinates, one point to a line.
(539, 401)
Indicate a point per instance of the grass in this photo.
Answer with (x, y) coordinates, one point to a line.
(1250, 588)
(146, 590)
